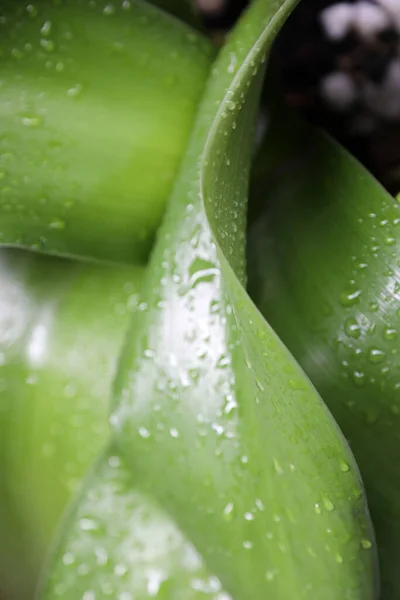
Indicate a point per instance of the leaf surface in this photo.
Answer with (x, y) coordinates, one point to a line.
(94, 122)
(220, 427)
(124, 545)
(61, 327)
(324, 270)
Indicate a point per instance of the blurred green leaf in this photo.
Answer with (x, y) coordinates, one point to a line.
(221, 429)
(61, 328)
(94, 122)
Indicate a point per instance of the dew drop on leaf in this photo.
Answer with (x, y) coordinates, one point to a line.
(390, 334)
(352, 328)
(31, 120)
(344, 466)
(375, 355)
(358, 378)
(339, 558)
(109, 9)
(57, 224)
(350, 298)
(328, 505)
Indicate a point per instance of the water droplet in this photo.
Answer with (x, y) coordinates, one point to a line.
(120, 570)
(47, 45)
(174, 432)
(74, 91)
(109, 9)
(338, 558)
(328, 505)
(259, 504)
(68, 558)
(352, 328)
(232, 62)
(249, 516)
(57, 224)
(101, 556)
(366, 544)
(46, 28)
(344, 466)
(32, 379)
(376, 356)
(247, 544)
(87, 524)
(358, 378)
(114, 462)
(16, 53)
(361, 266)
(390, 334)
(317, 508)
(349, 298)
(260, 385)
(297, 384)
(277, 467)
(228, 510)
(219, 429)
(144, 433)
(29, 120)
(269, 575)
(31, 10)
(389, 240)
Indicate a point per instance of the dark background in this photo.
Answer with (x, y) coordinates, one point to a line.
(305, 55)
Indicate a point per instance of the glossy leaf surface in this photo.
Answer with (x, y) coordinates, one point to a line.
(127, 546)
(61, 328)
(324, 270)
(218, 424)
(94, 121)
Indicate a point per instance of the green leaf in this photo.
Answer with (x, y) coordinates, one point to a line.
(324, 270)
(94, 121)
(220, 427)
(61, 327)
(126, 545)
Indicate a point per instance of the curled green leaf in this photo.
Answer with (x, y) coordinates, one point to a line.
(220, 427)
(324, 270)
